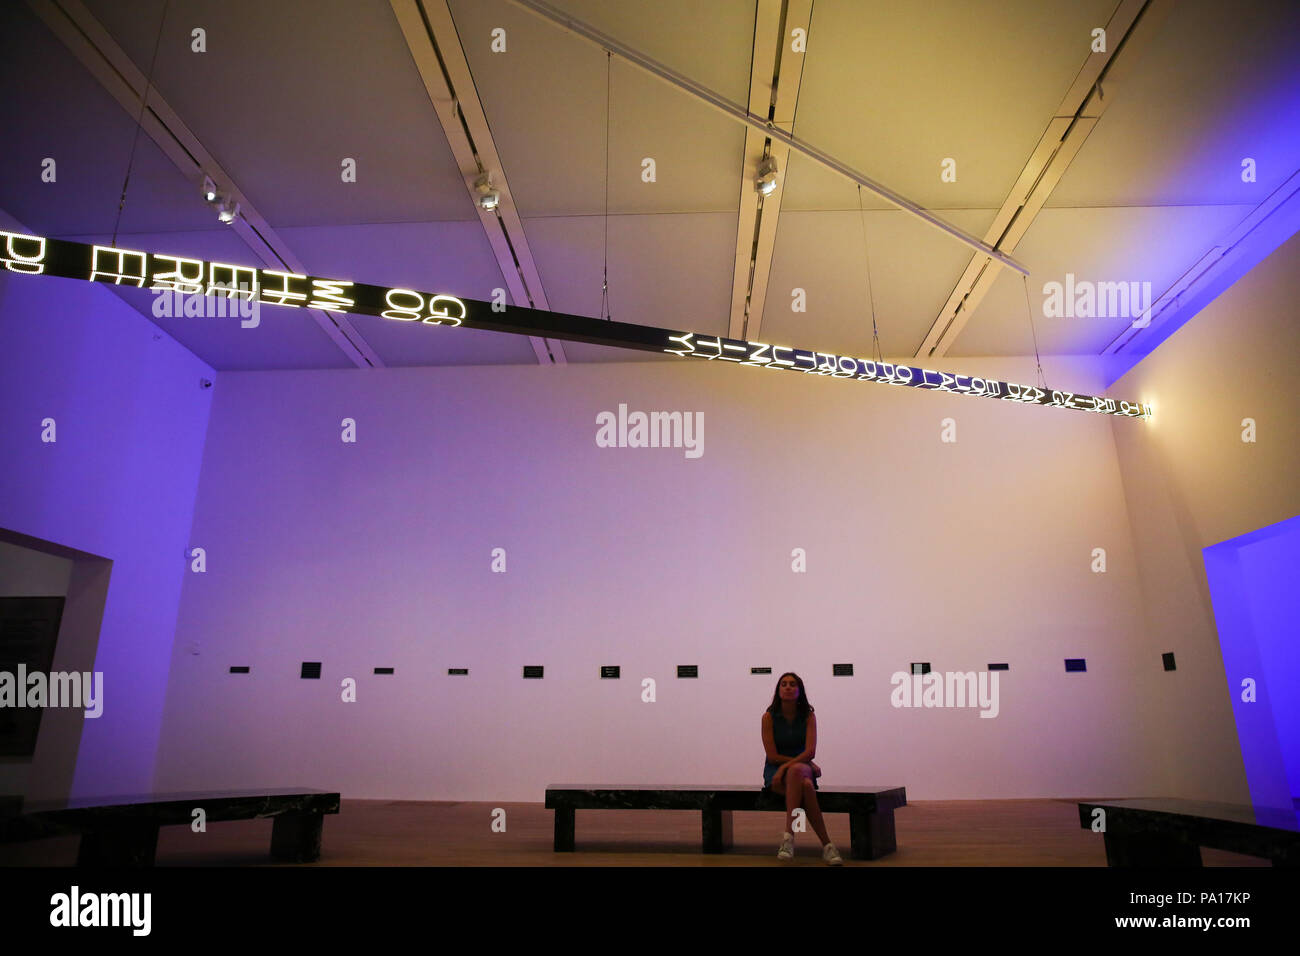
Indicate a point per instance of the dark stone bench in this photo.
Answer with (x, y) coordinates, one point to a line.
(870, 810)
(1171, 832)
(123, 830)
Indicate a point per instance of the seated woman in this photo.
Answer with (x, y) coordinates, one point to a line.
(790, 741)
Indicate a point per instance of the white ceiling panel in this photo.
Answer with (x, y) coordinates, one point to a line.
(912, 265)
(669, 271)
(1219, 84)
(545, 100)
(1154, 244)
(54, 108)
(289, 89)
(892, 89)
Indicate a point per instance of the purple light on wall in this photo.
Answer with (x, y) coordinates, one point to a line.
(1257, 610)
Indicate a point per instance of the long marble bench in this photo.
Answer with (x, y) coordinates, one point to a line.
(1171, 832)
(870, 810)
(122, 830)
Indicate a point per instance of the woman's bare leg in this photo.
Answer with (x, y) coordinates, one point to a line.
(813, 808)
(793, 798)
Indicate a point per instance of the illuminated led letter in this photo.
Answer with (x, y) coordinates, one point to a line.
(100, 256)
(328, 294)
(714, 343)
(185, 276)
(281, 293)
(758, 356)
(445, 310)
(30, 262)
(733, 346)
(229, 280)
(403, 311)
(685, 340)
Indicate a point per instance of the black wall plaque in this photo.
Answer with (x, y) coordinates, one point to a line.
(239, 670)
(1076, 664)
(609, 672)
(688, 670)
(1168, 660)
(458, 670)
(311, 670)
(841, 670)
(533, 671)
(383, 670)
(999, 667)
(922, 667)
(760, 670)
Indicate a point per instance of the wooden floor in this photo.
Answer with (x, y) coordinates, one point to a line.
(387, 833)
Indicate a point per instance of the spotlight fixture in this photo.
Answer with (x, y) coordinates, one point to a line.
(767, 177)
(227, 210)
(488, 197)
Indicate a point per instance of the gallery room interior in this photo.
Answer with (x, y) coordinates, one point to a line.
(360, 480)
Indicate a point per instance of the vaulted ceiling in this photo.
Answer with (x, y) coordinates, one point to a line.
(1133, 181)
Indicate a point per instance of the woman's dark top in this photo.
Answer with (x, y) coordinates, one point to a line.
(790, 737)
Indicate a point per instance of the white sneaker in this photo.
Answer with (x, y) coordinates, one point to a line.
(787, 848)
(832, 855)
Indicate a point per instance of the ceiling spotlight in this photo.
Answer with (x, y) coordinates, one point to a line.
(766, 182)
(488, 197)
(209, 189)
(227, 210)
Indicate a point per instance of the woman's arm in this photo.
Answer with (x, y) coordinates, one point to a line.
(769, 741)
(809, 743)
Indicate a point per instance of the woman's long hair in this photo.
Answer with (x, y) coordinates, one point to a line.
(802, 708)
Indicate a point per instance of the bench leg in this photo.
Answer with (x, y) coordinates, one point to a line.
(871, 835)
(1149, 849)
(128, 844)
(717, 831)
(564, 827)
(296, 836)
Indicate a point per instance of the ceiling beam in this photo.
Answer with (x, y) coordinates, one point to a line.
(99, 53)
(1188, 293)
(435, 45)
(774, 79)
(763, 125)
(1131, 27)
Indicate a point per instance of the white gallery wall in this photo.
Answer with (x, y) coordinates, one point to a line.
(379, 553)
(1192, 481)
